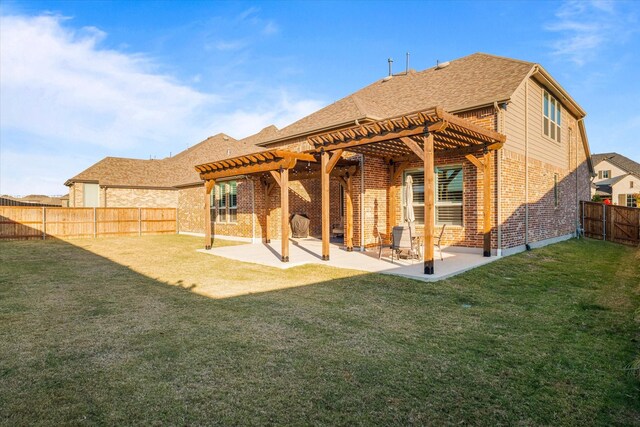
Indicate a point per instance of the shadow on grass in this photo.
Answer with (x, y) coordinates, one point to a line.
(86, 339)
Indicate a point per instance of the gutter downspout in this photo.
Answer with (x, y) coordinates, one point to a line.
(499, 129)
(526, 165)
(576, 173)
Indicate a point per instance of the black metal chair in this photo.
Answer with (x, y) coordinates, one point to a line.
(402, 239)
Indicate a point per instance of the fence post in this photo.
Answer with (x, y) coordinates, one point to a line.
(604, 222)
(139, 221)
(177, 222)
(95, 224)
(44, 223)
(584, 226)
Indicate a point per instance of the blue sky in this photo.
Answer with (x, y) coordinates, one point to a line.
(80, 80)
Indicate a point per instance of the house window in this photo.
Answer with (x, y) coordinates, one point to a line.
(226, 206)
(552, 117)
(448, 197)
(555, 190)
(631, 201)
(604, 174)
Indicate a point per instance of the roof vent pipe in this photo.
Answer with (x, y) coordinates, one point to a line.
(406, 70)
(390, 63)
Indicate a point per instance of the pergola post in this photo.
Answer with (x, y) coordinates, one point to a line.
(487, 204)
(208, 187)
(392, 200)
(324, 184)
(429, 202)
(349, 213)
(267, 211)
(284, 213)
(485, 166)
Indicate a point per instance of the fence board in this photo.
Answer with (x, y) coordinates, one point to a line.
(158, 220)
(21, 222)
(69, 222)
(614, 223)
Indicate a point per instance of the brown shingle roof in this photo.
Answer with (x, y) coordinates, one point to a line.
(618, 160)
(473, 81)
(169, 172)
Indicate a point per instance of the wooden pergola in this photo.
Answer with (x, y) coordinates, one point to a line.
(404, 139)
(399, 141)
(278, 168)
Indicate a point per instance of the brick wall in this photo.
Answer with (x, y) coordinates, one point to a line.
(76, 192)
(191, 209)
(138, 198)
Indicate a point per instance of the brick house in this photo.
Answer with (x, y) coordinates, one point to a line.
(617, 179)
(506, 143)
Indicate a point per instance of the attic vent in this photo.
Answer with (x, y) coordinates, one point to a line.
(441, 65)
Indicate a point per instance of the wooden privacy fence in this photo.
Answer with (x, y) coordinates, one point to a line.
(20, 222)
(610, 222)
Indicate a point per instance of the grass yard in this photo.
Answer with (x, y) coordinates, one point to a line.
(147, 331)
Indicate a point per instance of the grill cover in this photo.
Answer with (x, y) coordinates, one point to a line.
(300, 226)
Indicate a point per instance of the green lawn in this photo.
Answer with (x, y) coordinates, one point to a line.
(145, 331)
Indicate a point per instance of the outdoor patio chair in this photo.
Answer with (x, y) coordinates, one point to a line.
(438, 240)
(338, 229)
(402, 239)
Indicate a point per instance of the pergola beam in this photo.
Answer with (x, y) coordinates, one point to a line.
(333, 161)
(413, 146)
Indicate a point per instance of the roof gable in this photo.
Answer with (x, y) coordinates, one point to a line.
(618, 160)
(473, 81)
(168, 172)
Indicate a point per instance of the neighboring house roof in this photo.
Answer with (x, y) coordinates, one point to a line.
(624, 163)
(610, 181)
(470, 82)
(164, 173)
(30, 200)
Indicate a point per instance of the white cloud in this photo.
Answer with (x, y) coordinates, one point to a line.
(24, 173)
(228, 44)
(66, 98)
(585, 28)
(281, 111)
(270, 28)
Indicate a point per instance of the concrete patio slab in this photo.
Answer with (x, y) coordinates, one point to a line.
(308, 251)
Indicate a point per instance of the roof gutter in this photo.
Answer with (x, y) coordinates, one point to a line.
(585, 144)
(72, 181)
(545, 78)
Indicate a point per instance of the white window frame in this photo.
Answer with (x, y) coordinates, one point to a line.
(223, 203)
(449, 203)
(437, 203)
(551, 117)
